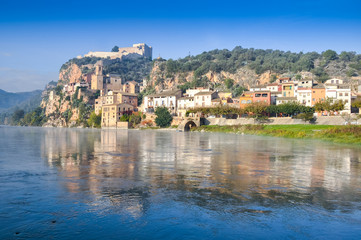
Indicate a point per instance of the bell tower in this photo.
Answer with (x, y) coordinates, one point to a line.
(97, 78)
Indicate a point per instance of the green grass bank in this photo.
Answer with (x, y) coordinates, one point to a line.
(339, 134)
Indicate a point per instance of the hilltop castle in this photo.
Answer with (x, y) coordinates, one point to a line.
(140, 49)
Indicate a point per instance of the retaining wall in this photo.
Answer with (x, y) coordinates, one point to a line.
(322, 120)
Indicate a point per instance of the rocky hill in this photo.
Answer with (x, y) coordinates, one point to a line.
(77, 69)
(247, 67)
(234, 71)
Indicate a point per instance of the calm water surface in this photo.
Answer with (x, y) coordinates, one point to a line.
(92, 184)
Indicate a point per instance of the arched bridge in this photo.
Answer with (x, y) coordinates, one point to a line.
(188, 123)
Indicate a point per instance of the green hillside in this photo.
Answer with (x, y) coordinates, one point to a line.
(23, 100)
(322, 65)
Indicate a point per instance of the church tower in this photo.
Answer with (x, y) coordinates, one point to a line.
(97, 78)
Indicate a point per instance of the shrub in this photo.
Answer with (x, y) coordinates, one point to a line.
(164, 118)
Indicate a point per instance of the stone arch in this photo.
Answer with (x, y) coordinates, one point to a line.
(189, 125)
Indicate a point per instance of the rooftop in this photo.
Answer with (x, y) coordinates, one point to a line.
(203, 93)
(166, 93)
(287, 98)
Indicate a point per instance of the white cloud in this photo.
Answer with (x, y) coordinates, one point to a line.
(22, 80)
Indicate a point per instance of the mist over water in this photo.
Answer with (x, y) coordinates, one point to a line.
(108, 184)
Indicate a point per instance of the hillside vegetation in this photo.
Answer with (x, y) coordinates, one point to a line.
(21, 99)
(246, 66)
(265, 60)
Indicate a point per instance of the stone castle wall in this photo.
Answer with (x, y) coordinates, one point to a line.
(141, 49)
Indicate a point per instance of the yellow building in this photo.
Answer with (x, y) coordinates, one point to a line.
(245, 100)
(288, 89)
(225, 97)
(115, 97)
(111, 113)
(131, 87)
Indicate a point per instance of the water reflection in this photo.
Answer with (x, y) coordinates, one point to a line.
(126, 171)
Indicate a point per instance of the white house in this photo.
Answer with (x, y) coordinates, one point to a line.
(304, 96)
(166, 98)
(204, 99)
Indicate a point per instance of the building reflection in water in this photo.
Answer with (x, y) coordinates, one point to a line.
(126, 170)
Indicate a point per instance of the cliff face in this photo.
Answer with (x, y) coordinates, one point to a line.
(71, 74)
(160, 79)
(64, 109)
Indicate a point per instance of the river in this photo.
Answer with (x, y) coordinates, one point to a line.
(108, 184)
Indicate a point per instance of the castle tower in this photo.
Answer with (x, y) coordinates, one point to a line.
(97, 78)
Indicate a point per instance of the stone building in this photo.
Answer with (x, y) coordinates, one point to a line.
(136, 51)
(131, 87)
(111, 113)
(97, 82)
(116, 97)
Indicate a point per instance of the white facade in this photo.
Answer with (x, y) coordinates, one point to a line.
(192, 91)
(304, 96)
(164, 99)
(334, 81)
(343, 94)
(306, 83)
(258, 88)
(272, 87)
(204, 99)
(185, 103)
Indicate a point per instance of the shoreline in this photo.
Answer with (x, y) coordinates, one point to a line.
(348, 134)
(344, 134)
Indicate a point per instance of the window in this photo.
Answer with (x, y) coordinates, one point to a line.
(340, 94)
(243, 101)
(264, 95)
(257, 95)
(313, 99)
(346, 94)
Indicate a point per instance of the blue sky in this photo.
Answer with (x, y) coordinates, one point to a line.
(37, 37)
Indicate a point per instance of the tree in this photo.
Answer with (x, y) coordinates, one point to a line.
(357, 104)
(351, 73)
(256, 110)
(95, 120)
(273, 78)
(229, 83)
(329, 55)
(115, 49)
(17, 116)
(164, 118)
(135, 118)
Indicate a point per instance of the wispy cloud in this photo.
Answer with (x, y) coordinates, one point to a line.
(22, 80)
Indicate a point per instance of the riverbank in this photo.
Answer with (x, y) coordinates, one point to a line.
(339, 134)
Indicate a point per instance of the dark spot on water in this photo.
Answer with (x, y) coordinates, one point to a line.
(119, 154)
(53, 221)
(17, 233)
